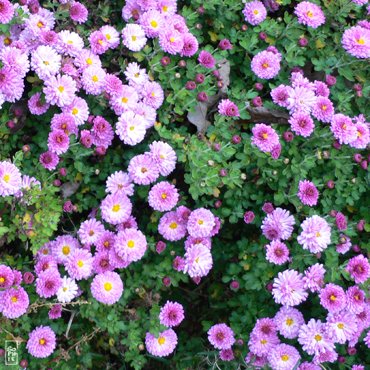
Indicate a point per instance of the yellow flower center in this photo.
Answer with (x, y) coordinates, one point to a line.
(65, 289)
(66, 250)
(80, 263)
(131, 244)
(172, 39)
(361, 41)
(154, 23)
(89, 61)
(108, 286)
(197, 260)
(265, 65)
(46, 62)
(116, 208)
(333, 298)
(265, 135)
(6, 178)
(95, 78)
(42, 341)
(91, 232)
(7, 41)
(14, 299)
(324, 107)
(165, 8)
(40, 24)
(124, 100)
(2, 279)
(263, 341)
(200, 222)
(318, 337)
(153, 94)
(164, 195)
(289, 321)
(74, 111)
(284, 357)
(70, 42)
(173, 225)
(161, 340)
(340, 325)
(255, 11)
(132, 128)
(108, 36)
(100, 42)
(318, 235)
(309, 14)
(61, 88)
(133, 38)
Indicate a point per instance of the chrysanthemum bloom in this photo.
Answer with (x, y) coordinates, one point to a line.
(288, 288)
(78, 12)
(308, 193)
(90, 231)
(171, 227)
(283, 357)
(153, 94)
(79, 264)
(163, 196)
(101, 262)
(355, 299)
(255, 360)
(148, 113)
(107, 287)
(264, 137)
(221, 336)
(14, 302)
(171, 40)
(301, 99)
(116, 208)
(314, 339)
(131, 128)
(163, 345)
(302, 124)
(171, 314)
(356, 41)
(315, 235)
(67, 291)
(280, 95)
(288, 322)
(200, 223)
(124, 100)
(327, 356)
(314, 277)
(164, 156)
(66, 123)
(190, 46)
(6, 11)
(47, 262)
(133, 37)
(321, 89)
(254, 12)
(58, 142)
(226, 354)
(191, 241)
(278, 224)
(363, 136)
(78, 109)
(102, 132)
(130, 244)
(41, 342)
(323, 109)
(227, 108)
(37, 105)
(344, 244)
(45, 61)
(198, 261)
(358, 367)
(343, 128)
(60, 90)
(308, 366)
(86, 138)
(6, 277)
(341, 326)
(10, 179)
(333, 298)
(367, 339)
(15, 59)
(266, 65)
(143, 170)
(152, 22)
(98, 42)
(136, 76)
(93, 80)
(309, 14)
(359, 268)
(70, 43)
(48, 283)
(206, 59)
(120, 182)
(277, 252)
(106, 241)
(55, 312)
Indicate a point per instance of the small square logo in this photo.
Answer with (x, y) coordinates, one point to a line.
(11, 352)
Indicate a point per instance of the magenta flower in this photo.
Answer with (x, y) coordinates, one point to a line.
(41, 342)
(10, 179)
(308, 193)
(200, 223)
(278, 224)
(343, 129)
(143, 169)
(277, 252)
(107, 287)
(221, 336)
(79, 264)
(163, 345)
(171, 40)
(227, 108)
(355, 299)
(90, 231)
(78, 12)
(190, 45)
(172, 314)
(58, 142)
(14, 302)
(254, 12)
(359, 269)
(288, 321)
(163, 196)
(264, 137)
(48, 283)
(266, 64)
(356, 41)
(55, 312)
(314, 277)
(6, 277)
(309, 14)
(333, 298)
(116, 208)
(323, 109)
(283, 357)
(280, 95)
(302, 124)
(206, 59)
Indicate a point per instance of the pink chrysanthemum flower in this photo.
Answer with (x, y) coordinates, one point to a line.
(227, 108)
(363, 136)
(278, 224)
(343, 129)
(309, 14)
(191, 45)
(6, 277)
(78, 109)
(171, 227)
(277, 252)
(45, 61)
(283, 357)
(79, 264)
(37, 105)
(301, 99)
(10, 179)
(323, 110)
(63, 246)
(6, 11)
(221, 336)
(58, 142)
(130, 244)
(41, 342)
(308, 193)
(120, 182)
(264, 137)
(206, 59)
(333, 298)
(164, 156)
(302, 124)
(321, 89)
(133, 37)
(280, 95)
(78, 12)
(266, 64)
(200, 223)
(116, 208)
(341, 326)
(11, 85)
(125, 100)
(171, 40)
(143, 170)
(355, 299)
(49, 160)
(171, 314)
(308, 366)
(327, 356)
(356, 41)
(98, 42)
(254, 12)
(314, 277)
(163, 345)
(163, 196)
(90, 231)
(15, 59)
(64, 122)
(69, 43)
(131, 128)
(60, 90)
(359, 269)
(45, 263)
(106, 241)
(227, 354)
(198, 261)
(136, 76)
(55, 312)
(153, 94)
(102, 263)
(113, 85)
(288, 321)
(344, 244)
(148, 113)
(93, 80)
(152, 22)
(86, 58)
(14, 302)
(288, 288)
(341, 221)
(314, 339)
(102, 132)
(48, 283)
(315, 235)
(107, 287)
(191, 241)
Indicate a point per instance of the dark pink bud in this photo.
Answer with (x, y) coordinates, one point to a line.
(57, 182)
(351, 351)
(2, 352)
(336, 145)
(166, 281)
(223, 172)
(272, 49)
(10, 124)
(165, 61)
(216, 147)
(26, 148)
(182, 63)
(257, 101)
(239, 342)
(160, 246)
(101, 151)
(268, 207)
(360, 225)
(262, 36)
(216, 73)
(302, 42)
(330, 184)
(330, 80)
(288, 136)
(357, 87)
(359, 93)
(364, 165)
(90, 119)
(357, 157)
(63, 171)
(218, 204)
(244, 27)
(269, 287)
(333, 213)
(28, 277)
(234, 285)
(190, 85)
(220, 84)
(341, 359)
(23, 364)
(202, 96)
(236, 139)
(258, 86)
(356, 248)
(225, 44)
(68, 206)
(200, 10)
(199, 78)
